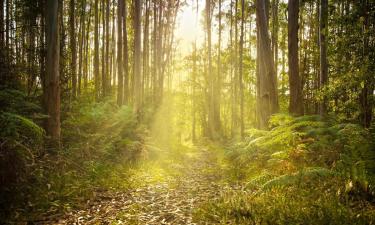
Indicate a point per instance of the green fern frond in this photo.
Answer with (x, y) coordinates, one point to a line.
(308, 174)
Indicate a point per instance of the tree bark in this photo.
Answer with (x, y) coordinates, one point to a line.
(267, 98)
(104, 64)
(52, 104)
(96, 50)
(120, 79)
(73, 48)
(126, 57)
(137, 55)
(295, 85)
(323, 32)
(107, 59)
(240, 78)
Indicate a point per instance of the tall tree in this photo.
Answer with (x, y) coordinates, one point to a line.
(137, 55)
(52, 94)
(126, 56)
(275, 31)
(145, 81)
(267, 96)
(104, 65)
(240, 77)
(120, 78)
(217, 79)
(323, 32)
(96, 49)
(73, 47)
(295, 85)
(107, 58)
(211, 103)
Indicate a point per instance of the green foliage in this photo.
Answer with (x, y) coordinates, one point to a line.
(15, 101)
(21, 143)
(100, 143)
(318, 204)
(302, 169)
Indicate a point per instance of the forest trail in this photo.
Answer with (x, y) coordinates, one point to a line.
(172, 187)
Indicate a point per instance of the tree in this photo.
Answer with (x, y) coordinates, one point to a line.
(73, 47)
(295, 85)
(96, 49)
(267, 96)
(120, 78)
(107, 58)
(126, 56)
(240, 78)
(211, 101)
(323, 32)
(137, 55)
(52, 94)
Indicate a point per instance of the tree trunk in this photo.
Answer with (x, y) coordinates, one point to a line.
(211, 103)
(81, 44)
(323, 32)
(96, 50)
(145, 81)
(2, 32)
(126, 56)
(107, 59)
(120, 79)
(240, 78)
(104, 65)
(137, 55)
(295, 88)
(52, 104)
(275, 32)
(73, 48)
(267, 98)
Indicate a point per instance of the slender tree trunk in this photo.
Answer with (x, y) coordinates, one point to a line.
(107, 57)
(86, 66)
(275, 32)
(86, 47)
(2, 27)
(104, 65)
(73, 48)
(120, 79)
(81, 46)
(113, 51)
(155, 55)
(52, 71)
(146, 49)
(295, 88)
(96, 51)
(137, 55)
(323, 32)
(126, 57)
(240, 77)
(7, 30)
(211, 80)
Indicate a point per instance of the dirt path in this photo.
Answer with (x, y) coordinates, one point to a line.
(171, 192)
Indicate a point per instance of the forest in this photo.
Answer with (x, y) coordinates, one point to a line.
(187, 112)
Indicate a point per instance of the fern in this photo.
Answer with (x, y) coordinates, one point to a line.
(20, 129)
(308, 174)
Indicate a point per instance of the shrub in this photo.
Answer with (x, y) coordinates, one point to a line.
(303, 170)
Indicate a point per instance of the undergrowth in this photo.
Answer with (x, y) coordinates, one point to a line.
(100, 144)
(304, 170)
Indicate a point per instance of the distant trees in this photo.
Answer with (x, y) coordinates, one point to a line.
(254, 60)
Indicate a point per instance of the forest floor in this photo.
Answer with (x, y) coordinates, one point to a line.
(170, 188)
